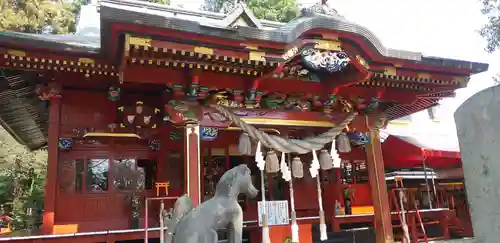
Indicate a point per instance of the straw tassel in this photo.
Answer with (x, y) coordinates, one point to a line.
(297, 168)
(314, 173)
(245, 144)
(343, 142)
(272, 163)
(261, 163)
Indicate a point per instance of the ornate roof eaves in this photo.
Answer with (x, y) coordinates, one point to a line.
(287, 33)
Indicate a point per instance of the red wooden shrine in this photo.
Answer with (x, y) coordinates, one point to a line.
(129, 109)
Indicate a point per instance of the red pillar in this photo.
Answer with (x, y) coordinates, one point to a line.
(378, 187)
(192, 165)
(53, 155)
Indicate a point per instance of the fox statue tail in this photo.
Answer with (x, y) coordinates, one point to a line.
(181, 207)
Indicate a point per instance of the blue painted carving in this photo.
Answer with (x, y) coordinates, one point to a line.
(358, 139)
(208, 133)
(65, 143)
(324, 61)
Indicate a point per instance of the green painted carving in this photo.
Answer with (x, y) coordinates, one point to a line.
(272, 101)
(182, 113)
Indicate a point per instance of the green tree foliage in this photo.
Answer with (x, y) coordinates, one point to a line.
(22, 175)
(491, 30)
(43, 16)
(36, 16)
(274, 10)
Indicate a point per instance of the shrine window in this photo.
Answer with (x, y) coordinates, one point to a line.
(127, 176)
(149, 168)
(97, 172)
(71, 174)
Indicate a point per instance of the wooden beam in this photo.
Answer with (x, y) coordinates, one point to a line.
(376, 177)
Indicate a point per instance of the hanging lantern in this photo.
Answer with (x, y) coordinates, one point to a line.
(245, 144)
(297, 168)
(272, 163)
(343, 143)
(325, 160)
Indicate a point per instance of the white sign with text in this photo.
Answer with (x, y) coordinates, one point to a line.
(276, 211)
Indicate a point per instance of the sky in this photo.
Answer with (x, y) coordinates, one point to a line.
(442, 28)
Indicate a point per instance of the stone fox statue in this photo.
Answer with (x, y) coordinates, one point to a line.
(200, 225)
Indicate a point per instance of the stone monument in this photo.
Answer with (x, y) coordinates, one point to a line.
(478, 128)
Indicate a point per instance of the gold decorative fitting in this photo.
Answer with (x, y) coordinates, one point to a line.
(203, 50)
(290, 53)
(391, 71)
(85, 61)
(424, 75)
(109, 134)
(459, 79)
(362, 61)
(140, 41)
(16, 53)
(252, 47)
(329, 45)
(256, 56)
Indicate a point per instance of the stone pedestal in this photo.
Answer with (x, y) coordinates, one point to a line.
(478, 128)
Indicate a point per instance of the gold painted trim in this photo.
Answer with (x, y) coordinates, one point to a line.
(399, 123)
(17, 53)
(110, 134)
(140, 41)
(390, 71)
(126, 48)
(450, 184)
(424, 75)
(362, 61)
(459, 79)
(290, 53)
(203, 50)
(262, 129)
(252, 47)
(86, 60)
(330, 45)
(256, 56)
(280, 122)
